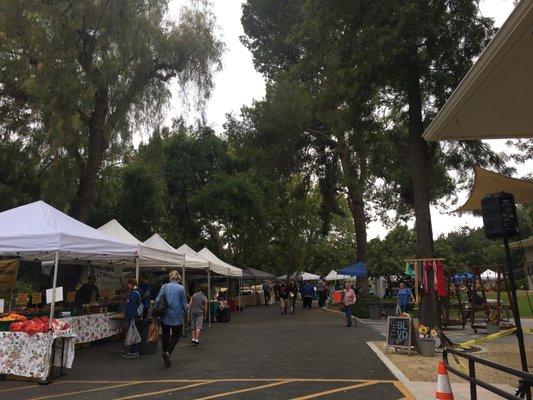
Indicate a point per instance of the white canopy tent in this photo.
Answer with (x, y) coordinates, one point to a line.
(334, 276)
(148, 256)
(218, 266)
(305, 276)
(489, 275)
(39, 232)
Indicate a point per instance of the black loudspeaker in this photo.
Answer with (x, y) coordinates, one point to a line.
(499, 215)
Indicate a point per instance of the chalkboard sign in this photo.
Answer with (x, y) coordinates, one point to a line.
(400, 333)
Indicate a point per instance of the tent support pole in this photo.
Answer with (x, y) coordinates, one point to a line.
(209, 293)
(54, 285)
(137, 270)
(183, 279)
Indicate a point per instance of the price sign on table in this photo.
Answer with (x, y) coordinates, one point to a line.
(71, 297)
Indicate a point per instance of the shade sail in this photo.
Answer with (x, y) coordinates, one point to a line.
(37, 230)
(256, 274)
(218, 266)
(334, 276)
(494, 98)
(487, 182)
(148, 256)
(358, 269)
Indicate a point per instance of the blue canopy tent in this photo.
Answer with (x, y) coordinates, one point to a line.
(358, 270)
(462, 276)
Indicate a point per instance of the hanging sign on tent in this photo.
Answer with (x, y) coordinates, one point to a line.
(36, 298)
(50, 295)
(401, 333)
(8, 277)
(22, 299)
(71, 297)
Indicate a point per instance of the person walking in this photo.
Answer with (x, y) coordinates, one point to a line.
(307, 295)
(405, 296)
(266, 292)
(321, 289)
(276, 292)
(172, 320)
(131, 314)
(145, 289)
(197, 312)
(283, 298)
(292, 291)
(348, 300)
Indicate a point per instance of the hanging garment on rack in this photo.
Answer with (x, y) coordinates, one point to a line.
(427, 266)
(442, 290)
(409, 271)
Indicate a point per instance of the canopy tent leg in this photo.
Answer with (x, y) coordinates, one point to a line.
(209, 294)
(137, 270)
(184, 282)
(54, 285)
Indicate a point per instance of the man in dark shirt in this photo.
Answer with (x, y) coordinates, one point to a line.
(88, 292)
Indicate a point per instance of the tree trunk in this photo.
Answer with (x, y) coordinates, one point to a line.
(429, 304)
(95, 155)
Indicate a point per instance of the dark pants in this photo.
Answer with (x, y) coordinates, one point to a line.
(348, 312)
(321, 298)
(308, 301)
(170, 337)
(267, 297)
(404, 307)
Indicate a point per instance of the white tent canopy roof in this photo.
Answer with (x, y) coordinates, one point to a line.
(192, 257)
(307, 276)
(149, 256)
(37, 230)
(493, 101)
(334, 276)
(489, 275)
(218, 266)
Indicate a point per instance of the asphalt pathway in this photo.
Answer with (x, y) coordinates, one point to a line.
(258, 355)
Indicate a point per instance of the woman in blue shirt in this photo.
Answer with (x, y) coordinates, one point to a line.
(131, 313)
(172, 320)
(405, 296)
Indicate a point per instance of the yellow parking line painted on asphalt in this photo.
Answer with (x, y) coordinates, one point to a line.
(136, 396)
(52, 396)
(20, 388)
(341, 389)
(218, 395)
(400, 386)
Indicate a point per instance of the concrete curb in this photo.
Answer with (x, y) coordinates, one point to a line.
(390, 365)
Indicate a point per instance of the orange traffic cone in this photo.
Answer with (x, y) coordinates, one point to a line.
(444, 389)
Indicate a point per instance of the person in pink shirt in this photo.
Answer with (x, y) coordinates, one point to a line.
(348, 300)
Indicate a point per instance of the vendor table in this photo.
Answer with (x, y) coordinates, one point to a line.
(30, 356)
(91, 327)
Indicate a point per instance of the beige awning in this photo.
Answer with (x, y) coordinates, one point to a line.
(487, 182)
(495, 98)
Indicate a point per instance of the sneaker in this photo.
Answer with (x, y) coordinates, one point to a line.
(131, 355)
(127, 355)
(197, 342)
(166, 359)
(193, 342)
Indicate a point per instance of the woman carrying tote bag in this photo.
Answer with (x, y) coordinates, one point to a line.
(132, 312)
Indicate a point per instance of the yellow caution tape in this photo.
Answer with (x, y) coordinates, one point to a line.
(488, 338)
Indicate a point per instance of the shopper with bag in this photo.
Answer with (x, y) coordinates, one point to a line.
(132, 312)
(171, 308)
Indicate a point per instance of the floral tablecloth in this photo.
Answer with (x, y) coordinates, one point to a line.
(27, 355)
(89, 328)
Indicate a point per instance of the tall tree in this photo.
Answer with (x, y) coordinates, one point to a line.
(78, 76)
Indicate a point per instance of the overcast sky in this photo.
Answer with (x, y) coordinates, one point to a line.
(239, 84)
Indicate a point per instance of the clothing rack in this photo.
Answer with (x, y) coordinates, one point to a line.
(417, 278)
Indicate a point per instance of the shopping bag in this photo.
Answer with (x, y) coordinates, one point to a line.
(153, 332)
(133, 336)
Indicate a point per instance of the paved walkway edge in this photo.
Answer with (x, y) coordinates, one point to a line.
(390, 365)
